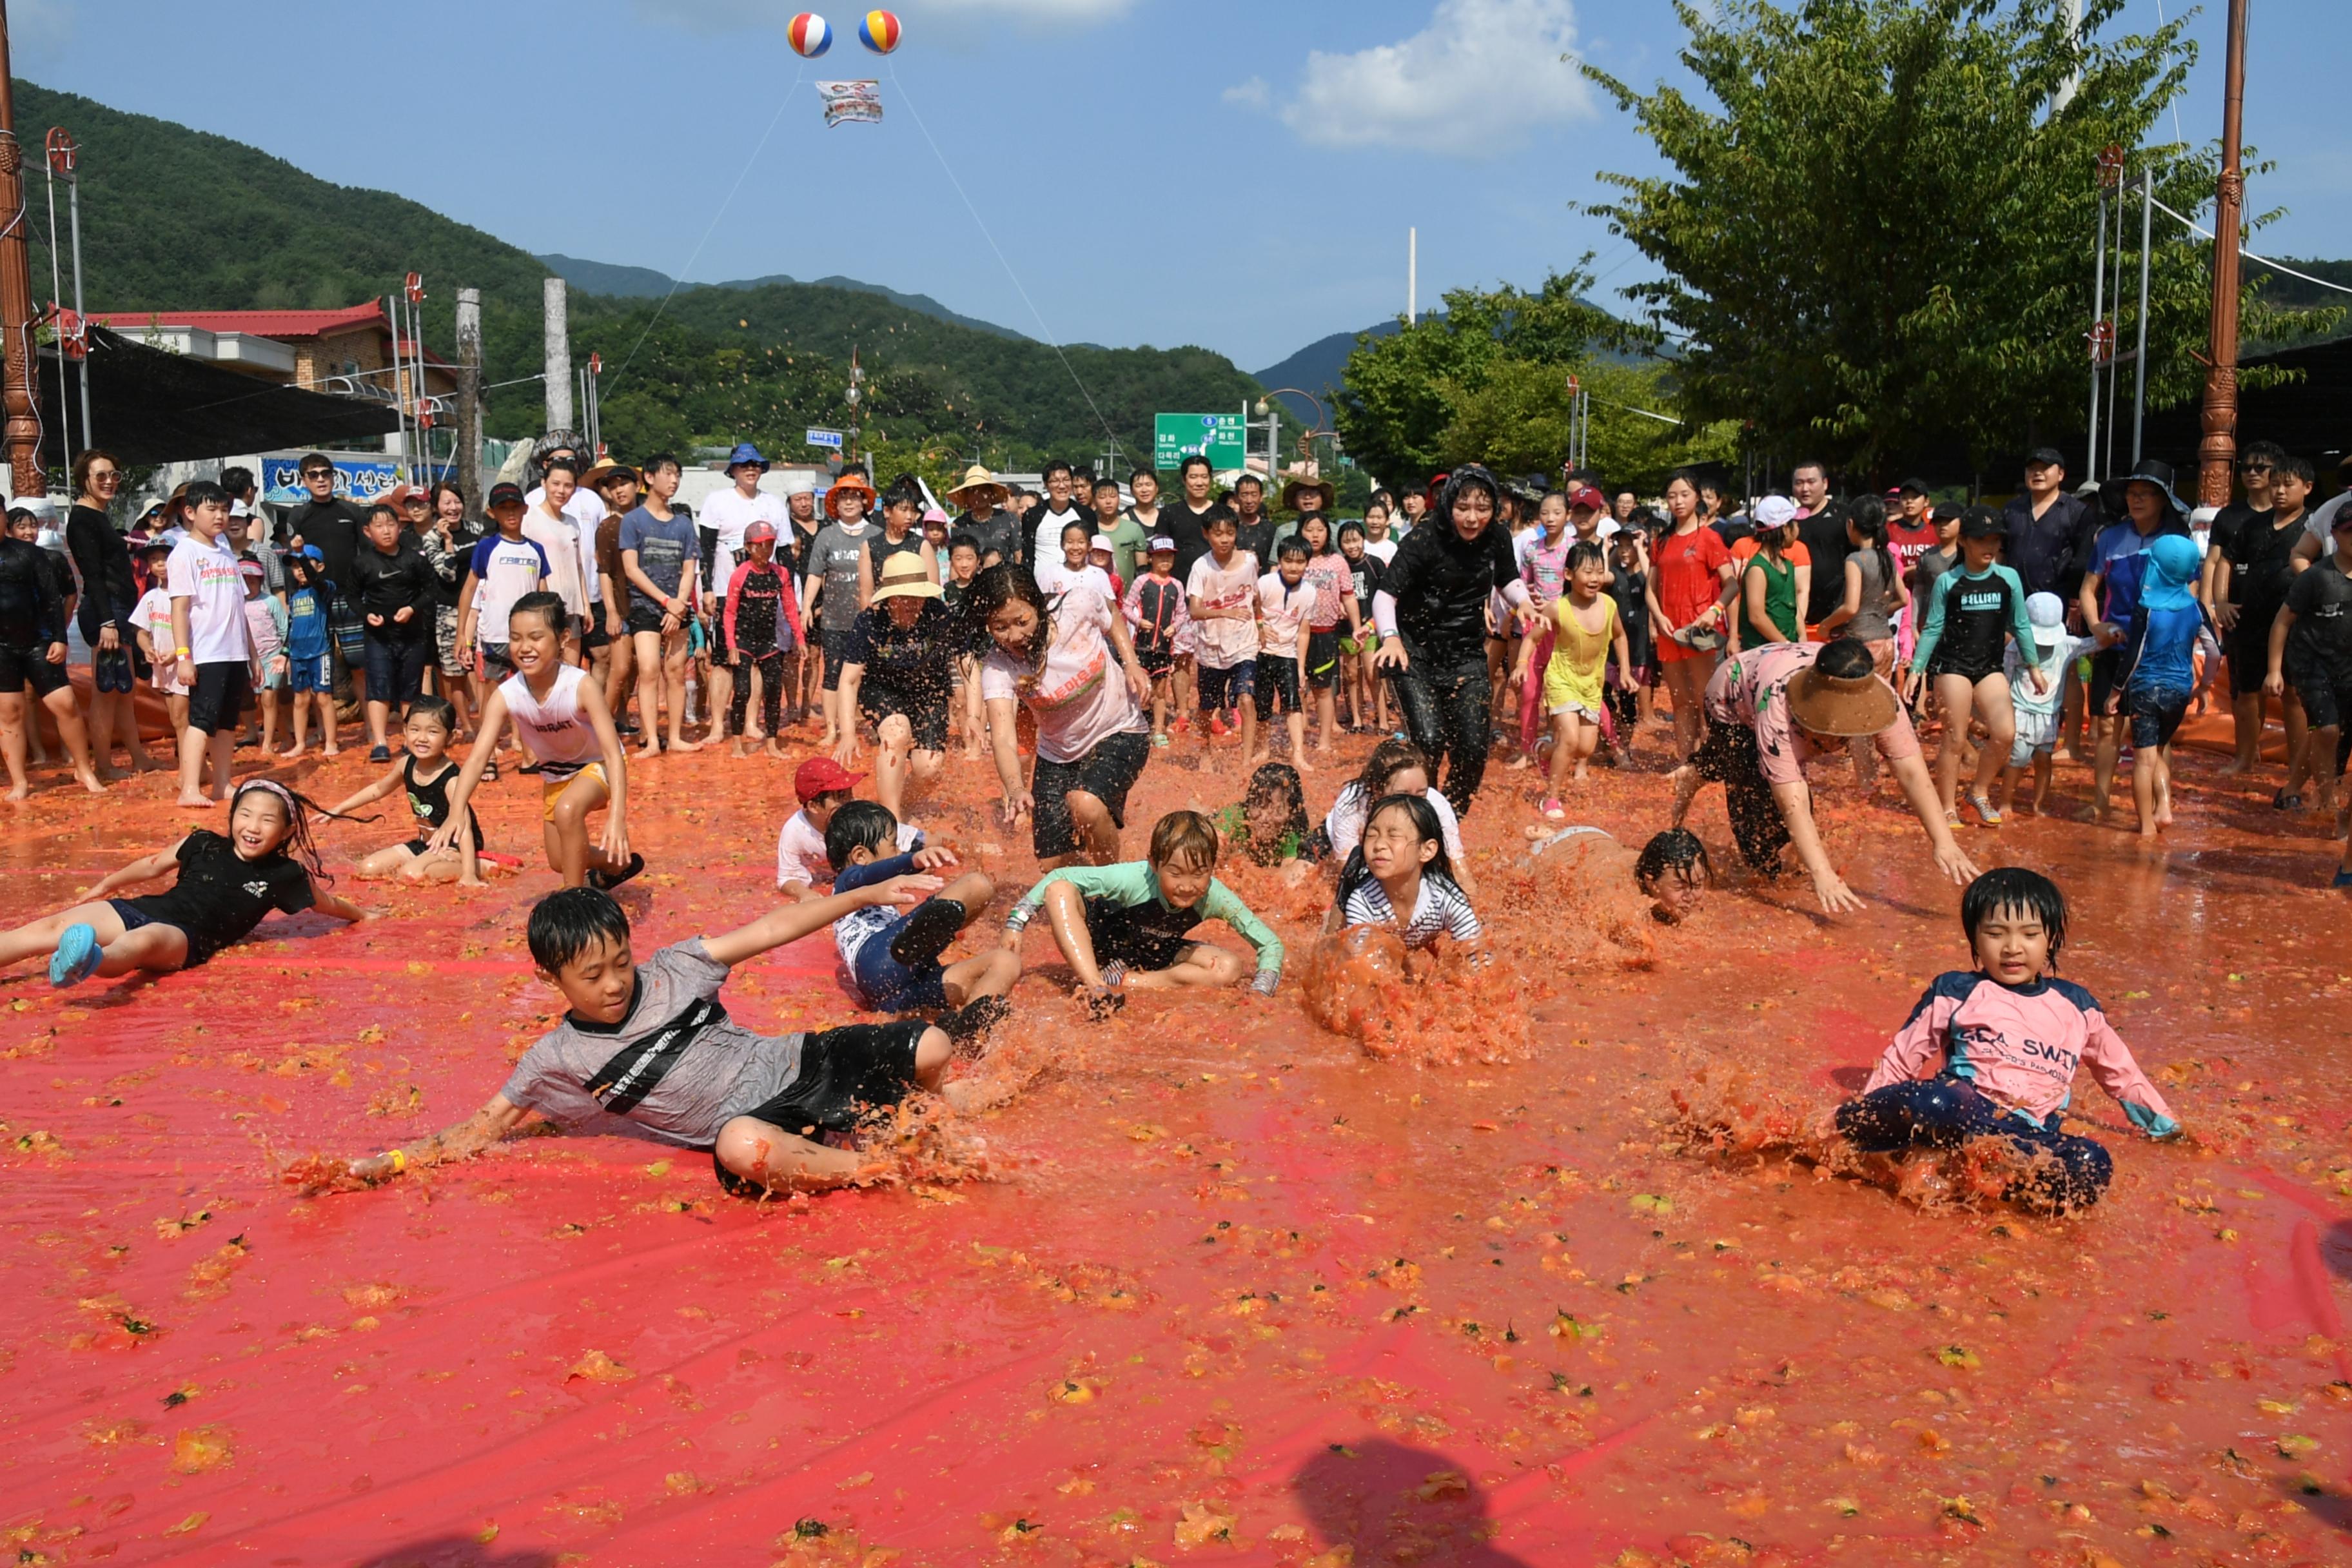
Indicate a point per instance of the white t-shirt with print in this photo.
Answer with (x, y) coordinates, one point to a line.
(1080, 696)
(207, 576)
(1223, 642)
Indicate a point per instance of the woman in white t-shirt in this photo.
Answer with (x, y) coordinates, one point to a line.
(1056, 657)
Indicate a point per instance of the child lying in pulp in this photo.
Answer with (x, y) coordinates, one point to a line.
(1991, 1052)
(647, 1051)
(1126, 927)
(893, 958)
(1401, 878)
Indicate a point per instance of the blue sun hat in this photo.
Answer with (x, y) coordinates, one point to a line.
(744, 453)
(2173, 559)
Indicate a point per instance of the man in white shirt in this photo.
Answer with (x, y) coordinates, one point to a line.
(727, 514)
(1053, 514)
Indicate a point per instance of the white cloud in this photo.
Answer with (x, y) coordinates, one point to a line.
(1250, 94)
(1470, 84)
(715, 14)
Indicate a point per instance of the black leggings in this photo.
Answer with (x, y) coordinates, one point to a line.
(1448, 705)
(771, 666)
(1944, 1112)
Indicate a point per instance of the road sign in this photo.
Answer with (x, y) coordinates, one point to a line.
(825, 438)
(1218, 436)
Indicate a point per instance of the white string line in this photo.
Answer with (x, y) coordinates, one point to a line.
(2202, 232)
(678, 282)
(983, 224)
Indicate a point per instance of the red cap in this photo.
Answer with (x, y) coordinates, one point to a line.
(758, 532)
(822, 775)
(1587, 497)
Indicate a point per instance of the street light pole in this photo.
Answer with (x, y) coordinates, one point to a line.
(2217, 453)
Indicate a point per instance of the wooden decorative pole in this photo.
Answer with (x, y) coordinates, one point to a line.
(23, 434)
(2217, 453)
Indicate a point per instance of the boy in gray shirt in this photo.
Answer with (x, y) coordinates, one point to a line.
(647, 1051)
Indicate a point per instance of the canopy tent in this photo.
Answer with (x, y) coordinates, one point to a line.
(147, 406)
(2306, 415)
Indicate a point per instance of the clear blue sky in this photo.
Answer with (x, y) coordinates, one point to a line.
(1238, 173)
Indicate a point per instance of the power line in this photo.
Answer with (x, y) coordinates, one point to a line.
(2202, 232)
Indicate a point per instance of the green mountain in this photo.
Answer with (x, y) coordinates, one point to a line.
(645, 283)
(179, 218)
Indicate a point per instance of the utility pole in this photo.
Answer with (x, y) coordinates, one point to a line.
(23, 434)
(61, 145)
(1412, 276)
(470, 398)
(2217, 453)
(559, 358)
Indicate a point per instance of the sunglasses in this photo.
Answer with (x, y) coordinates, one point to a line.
(2253, 468)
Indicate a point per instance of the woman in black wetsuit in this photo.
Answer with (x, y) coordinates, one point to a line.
(1431, 614)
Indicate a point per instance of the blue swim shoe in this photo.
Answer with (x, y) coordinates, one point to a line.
(2342, 879)
(77, 958)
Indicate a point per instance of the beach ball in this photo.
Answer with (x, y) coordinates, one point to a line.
(809, 34)
(880, 31)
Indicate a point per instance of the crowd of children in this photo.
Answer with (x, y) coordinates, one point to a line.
(1140, 618)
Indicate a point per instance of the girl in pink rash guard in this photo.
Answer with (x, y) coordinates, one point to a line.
(1992, 1052)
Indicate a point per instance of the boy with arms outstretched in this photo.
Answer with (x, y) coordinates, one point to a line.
(647, 1051)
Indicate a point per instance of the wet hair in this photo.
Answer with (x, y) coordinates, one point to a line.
(1425, 826)
(1085, 530)
(1274, 785)
(2013, 889)
(296, 846)
(382, 508)
(1352, 526)
(204, 492)
(903, 493)
(1053, 466)
(1185, 840)
(547, 607)
(962, 542)
(1586, 551)
(1845, 658)
(1390, 758)
(568, 922)
(2295, 464)
(2269, 452)
(1222, 520)
(437, 709)
(1679, 852)
(1867, 516)
(1192, 458)
(660, 460)
(1106, 482)
(1330, 541)
(1292, 544)
(996, 587)
(859, 825)
(1468, 476)
(1249, 479)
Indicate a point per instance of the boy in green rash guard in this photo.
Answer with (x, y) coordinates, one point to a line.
(1124, 927)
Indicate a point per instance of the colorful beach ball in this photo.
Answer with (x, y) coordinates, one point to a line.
(880, 31)
(809, 34)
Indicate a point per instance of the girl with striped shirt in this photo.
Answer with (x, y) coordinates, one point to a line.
(1400, 877)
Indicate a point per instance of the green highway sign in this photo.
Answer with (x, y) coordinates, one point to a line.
(1219, 437)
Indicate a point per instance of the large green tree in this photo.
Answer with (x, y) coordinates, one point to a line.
(1876, 232)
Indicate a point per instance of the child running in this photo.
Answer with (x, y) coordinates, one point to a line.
(225, 885)
(1127, 926)
(1586, 633)
(560, 715)
(1973, 612)
(1401, 878)
(647, 1051)
(1992, 1052)
(425, 774)
(893, 958)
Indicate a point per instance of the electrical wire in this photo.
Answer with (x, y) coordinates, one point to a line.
(981, 224)
(2202, 232)
(678, 282)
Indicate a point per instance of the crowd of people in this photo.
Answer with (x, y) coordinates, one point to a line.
(1067, 639)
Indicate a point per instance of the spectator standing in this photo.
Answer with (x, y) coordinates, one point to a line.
(335, 525)
(392, 584)
(997, 532)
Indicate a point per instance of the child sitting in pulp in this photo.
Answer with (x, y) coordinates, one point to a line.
(893, 958)
(1401, 878)
(423, 773)
(824, 787)
(225, 885)
(1992, 1052)
(647, 1051)
(1126, 927)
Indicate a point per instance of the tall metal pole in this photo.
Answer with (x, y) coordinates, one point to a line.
(23, 435)
(56, 294)
(2139, 352)
(1412, 276)
(2217, 453)
(2098, 318)
(469, 398)
(82, 322)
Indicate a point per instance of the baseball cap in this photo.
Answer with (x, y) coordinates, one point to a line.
(1911, 488)
(1983, 522)
(760, 532)
(500, 494)
(1161, 542)
(238, 509)
(1948, 510)
(1585, 496)
(313, 553)
(822, 775)
(2045, 456)
(1774, 511)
